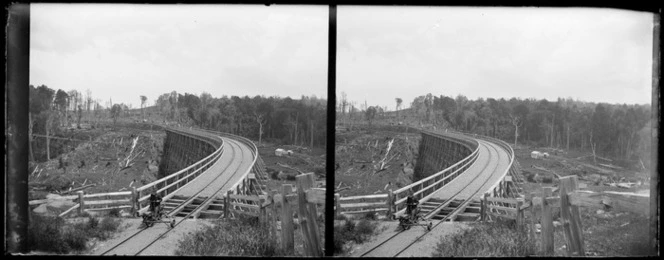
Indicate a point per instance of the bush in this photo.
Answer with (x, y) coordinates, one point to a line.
(370, 216)
(44, 234)
(114, 213)
(52, 234)
(487, 239)
(244, 236)
(75, 239)
(359, 233)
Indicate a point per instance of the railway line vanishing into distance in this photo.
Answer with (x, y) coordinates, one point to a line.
(450, 201)
(198, 194)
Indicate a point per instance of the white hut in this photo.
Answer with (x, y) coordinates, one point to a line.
(279, 152)
(536, 155)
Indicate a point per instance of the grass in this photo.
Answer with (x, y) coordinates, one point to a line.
(53, 234)
(352, 231)
(236, 237)
(495, 239)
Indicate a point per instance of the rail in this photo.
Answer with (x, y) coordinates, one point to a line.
(181, 177)
(134, 199)
(393, 203)
(500, 188)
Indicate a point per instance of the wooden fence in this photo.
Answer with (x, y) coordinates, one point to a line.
(569, 201)
(275, 211)
(137, 199)
(394, 202)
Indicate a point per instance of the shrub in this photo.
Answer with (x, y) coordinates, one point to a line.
(114, 213)
(44, 234)
(358, 232)
(365, 229)
(76, 239)
(370, 215)
(486, 239)
(244, 236)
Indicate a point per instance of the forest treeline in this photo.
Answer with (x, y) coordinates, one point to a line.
(618, 131)
(279, 120)
(300, 122)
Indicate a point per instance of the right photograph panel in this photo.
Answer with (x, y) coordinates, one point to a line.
(468, 131)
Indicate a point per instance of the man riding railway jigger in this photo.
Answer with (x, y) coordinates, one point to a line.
(155, 213)
(412, 217)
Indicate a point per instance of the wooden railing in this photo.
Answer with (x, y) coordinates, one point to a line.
(169, 185)
(393, 203)
(361, 204)
(275, 211)
(137, 199)
(568, 201)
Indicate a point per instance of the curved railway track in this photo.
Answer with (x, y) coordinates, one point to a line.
(135, 238)
(444, 204)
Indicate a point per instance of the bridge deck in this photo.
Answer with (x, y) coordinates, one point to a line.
(491, 163)
(233, 163)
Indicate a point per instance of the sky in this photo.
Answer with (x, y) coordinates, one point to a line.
(122, 51)
(596, 55)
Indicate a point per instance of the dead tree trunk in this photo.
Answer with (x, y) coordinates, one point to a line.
(567, 136)
(48, 140)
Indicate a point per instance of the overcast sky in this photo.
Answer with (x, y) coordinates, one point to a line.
(598, 55)
(123, 51)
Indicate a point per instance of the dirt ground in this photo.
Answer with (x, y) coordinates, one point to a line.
(283, 169)
(106, 160)
(359, 155)
(605, 233)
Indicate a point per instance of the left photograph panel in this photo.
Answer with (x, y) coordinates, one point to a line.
(177, 130)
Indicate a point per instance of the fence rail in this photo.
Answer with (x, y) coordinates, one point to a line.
(275, 211)
(568, 201)
(137, 199)
(393, 203)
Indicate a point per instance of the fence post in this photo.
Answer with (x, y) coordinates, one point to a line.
(390, 197)
(273, 214)
(337, 205)
(287, 238)
(533, 216)
(262, 212)
(307, 215)
(81, 202)
(572, 228)
(483, 207)
(519, 215)
(227, 206)
(134, 201)
(547, 223)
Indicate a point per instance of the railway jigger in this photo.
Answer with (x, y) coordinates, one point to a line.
(156, 214)
(412, 217)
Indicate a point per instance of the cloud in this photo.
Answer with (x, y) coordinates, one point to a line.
(494, 52)
(123, 51)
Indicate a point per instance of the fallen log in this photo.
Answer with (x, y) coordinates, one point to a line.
(289, 167)
(79, 188)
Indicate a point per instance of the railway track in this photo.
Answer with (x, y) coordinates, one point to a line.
(132, 241)
(440, 210)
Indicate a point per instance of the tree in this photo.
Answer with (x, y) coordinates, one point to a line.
(399, 101)
(344, 104)
(79, 115)
(143, 99)
(370, 114)
(115, 112)
(516, 122)
(61, 102)
(260, 120)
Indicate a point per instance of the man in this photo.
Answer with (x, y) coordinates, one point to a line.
(411, 205)
(155, 201)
